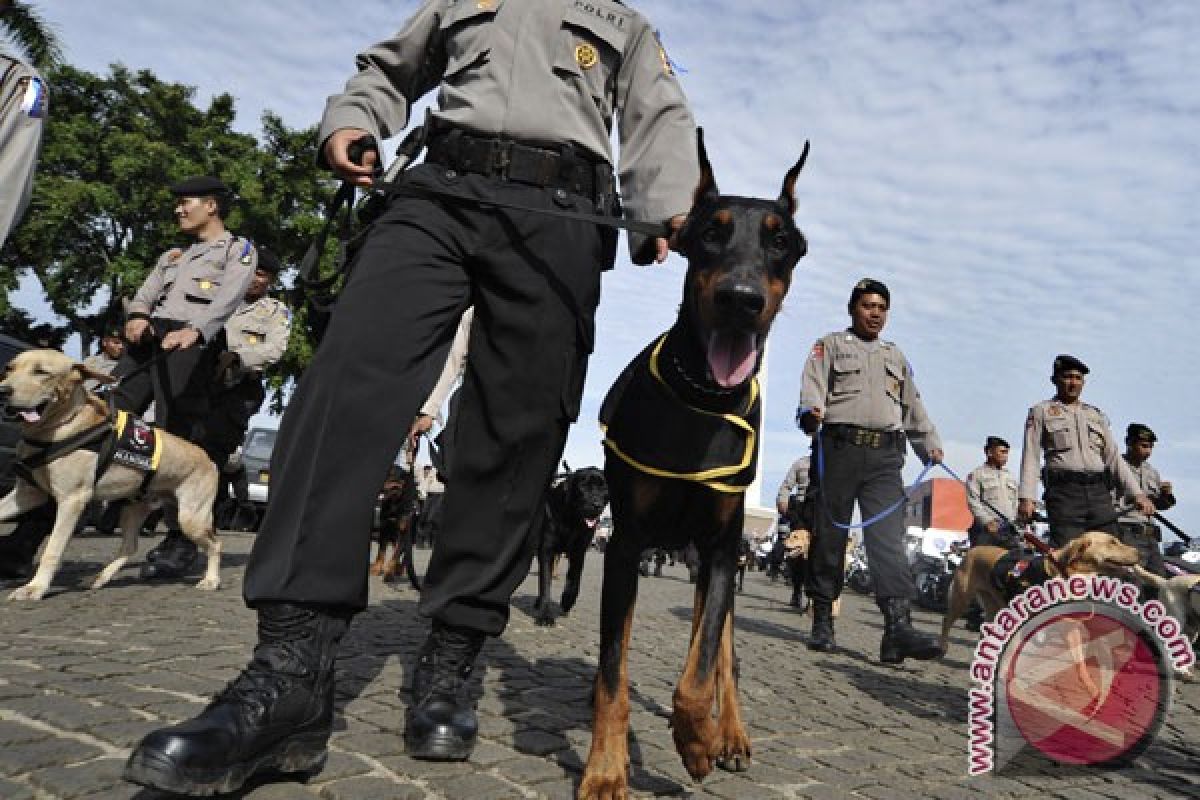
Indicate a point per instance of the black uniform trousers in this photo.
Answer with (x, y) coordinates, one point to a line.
(179, 383)
(1075, 508)
(534, 281)
(1005, 537)
(230, 410)
(870, 475)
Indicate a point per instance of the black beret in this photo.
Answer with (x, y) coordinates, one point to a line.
(1137, 432)
(1064, 362)
(201, 186)
(870, 286)
(268, 261)
(994, 441)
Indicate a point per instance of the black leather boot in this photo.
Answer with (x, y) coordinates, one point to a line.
(440, 725)
(176, 555)
(822, 639)
(276, 716)
(900, 639)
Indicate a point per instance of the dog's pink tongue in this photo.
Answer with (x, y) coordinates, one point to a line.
(30, 416)
(731, 357)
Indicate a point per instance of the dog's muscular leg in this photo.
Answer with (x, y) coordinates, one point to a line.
(197, 525)
(692, 725)
(606, 776)
(733, 745)
(543, 609)
(133, 515)
(70, 508)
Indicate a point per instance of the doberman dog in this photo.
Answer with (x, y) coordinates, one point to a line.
(573, 507)
(681, 428)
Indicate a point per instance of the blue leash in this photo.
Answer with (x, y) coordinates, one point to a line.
(904, 496)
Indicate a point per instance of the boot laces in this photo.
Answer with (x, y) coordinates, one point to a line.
(272, 673)
(450, 658)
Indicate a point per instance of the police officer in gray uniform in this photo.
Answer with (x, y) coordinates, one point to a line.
(1136, 529)
(992, 497)
(527, 93)
(24, 103)
(180, 307)
(254, 337)
(1082, 461)
(795, 485)
(859, 402)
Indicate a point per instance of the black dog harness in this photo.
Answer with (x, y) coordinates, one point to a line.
(1015, 572)
(648, 425)
(127, 441)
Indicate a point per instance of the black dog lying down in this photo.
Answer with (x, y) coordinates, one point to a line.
(573, 507)
(682, 425)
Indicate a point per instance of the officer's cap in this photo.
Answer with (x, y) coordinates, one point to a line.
(268, 261)
(1137, 432)
(1064, 362)
(201, 186)
(994, 441)
(870, 286)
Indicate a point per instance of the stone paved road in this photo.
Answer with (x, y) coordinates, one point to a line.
(84, 674)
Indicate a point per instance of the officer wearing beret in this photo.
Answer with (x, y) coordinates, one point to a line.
(992, 496)
(182, 305)
(1082, 461)
(529, 93)
(24, 103)
(859, 402)
(254, 337)
(1136, 528)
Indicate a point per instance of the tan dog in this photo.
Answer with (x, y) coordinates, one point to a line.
(43, 391)
(1092, 553)
(1180, 595)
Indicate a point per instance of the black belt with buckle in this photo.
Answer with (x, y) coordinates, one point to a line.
(1061, 477)
(548, 167)
(865, 437)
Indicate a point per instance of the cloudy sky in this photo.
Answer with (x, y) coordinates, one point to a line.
(1023, 175)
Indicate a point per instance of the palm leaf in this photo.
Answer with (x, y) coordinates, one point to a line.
(30, 32)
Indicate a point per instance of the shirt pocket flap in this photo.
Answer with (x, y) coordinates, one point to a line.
(604, 23)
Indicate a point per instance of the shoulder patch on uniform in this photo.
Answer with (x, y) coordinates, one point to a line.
(247, 249)
(818, 351)
(174, 254)
(1054, 410)
(1029, 417)
(35, 101)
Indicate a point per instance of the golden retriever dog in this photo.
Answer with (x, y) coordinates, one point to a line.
(1092, 553)
(43, 392)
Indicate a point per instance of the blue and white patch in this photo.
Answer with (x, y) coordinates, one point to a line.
(35, 102)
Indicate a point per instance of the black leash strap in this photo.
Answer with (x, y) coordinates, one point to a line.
(1174, 528)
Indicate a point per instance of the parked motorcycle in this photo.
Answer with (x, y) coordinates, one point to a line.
(858, 575)
(933, 556)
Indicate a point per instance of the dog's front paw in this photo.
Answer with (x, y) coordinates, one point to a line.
(209, 584)
(695, 741)
(606, 778)
(545, 617)
(733, 751)
(30, 591)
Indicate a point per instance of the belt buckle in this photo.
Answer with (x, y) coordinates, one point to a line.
(501, 158)
(860, 437)
(876, 439)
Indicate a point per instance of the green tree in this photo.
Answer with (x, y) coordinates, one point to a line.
(101, 211)
(24, 27)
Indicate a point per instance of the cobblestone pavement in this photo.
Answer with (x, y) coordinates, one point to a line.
(83, 675)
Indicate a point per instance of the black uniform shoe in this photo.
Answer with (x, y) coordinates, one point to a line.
(821, 638)
(174, 557)
(900, 639)
(440, 725)
(276, 716)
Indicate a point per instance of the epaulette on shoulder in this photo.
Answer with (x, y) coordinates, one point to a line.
(174, 254)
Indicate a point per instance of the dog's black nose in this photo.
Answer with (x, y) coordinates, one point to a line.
(740, 298)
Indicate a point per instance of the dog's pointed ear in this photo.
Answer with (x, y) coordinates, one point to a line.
(787, 195)
(706, 189)
(87, 373)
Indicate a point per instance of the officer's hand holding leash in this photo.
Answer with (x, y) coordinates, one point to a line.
(181, 339)
(357, 165)
(136, 328)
